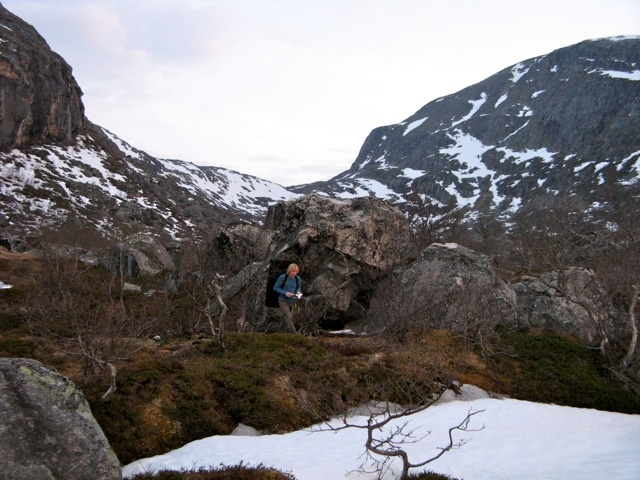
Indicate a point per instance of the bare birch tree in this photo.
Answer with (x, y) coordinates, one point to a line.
(213, 297)
(389, 431)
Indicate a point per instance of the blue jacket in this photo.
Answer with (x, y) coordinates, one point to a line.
(292, 285)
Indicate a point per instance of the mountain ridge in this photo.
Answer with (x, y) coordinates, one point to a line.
(110, 189)
(571, 113)
(561, 124)
(58, 169)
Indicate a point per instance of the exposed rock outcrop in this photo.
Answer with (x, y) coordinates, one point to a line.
(39, 98)
(359, 272)
(47, 430)
(570, 303)
(140, 256)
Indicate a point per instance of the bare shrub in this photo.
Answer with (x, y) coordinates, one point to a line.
(466, 306)
(388, 425)
(218, 327)
(550, 233)
(73, 309)
(432, 223)
(618, 267)
(237, 254)
(559, 234)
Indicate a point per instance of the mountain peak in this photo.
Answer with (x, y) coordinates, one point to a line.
(563, 123)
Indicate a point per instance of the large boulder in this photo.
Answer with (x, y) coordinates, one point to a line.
(343, 246)
(140, 256)
(447, 287)
(367, 230)
(47, 430)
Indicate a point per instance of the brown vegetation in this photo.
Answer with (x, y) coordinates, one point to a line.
(175, 370)
(181, 388)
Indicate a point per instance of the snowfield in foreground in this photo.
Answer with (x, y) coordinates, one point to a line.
(513, 439)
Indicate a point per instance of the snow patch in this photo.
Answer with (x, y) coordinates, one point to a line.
(500, 100)
(634, 75)
(413, 125)
(527, 155)
(413, 174)
(122, 145)
(560, 443)
(525, 112)
(368, 187)
(515, 131)
(518, 71)
(475, 106)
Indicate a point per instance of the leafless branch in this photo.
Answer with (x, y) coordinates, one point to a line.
(213, 296)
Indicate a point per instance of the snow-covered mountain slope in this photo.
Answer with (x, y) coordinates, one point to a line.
(58, 169)
(566, 123)
(563, 124)
(104, 183)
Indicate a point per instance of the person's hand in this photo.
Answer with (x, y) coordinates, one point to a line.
(289, 294)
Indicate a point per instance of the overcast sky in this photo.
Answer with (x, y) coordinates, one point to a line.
(288, 90)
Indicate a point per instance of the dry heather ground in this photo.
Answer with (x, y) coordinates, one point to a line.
(184, 387)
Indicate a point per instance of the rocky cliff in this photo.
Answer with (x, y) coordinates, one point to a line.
(39, 98)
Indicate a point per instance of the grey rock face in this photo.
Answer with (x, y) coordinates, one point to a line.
(366, 230)
(140, 256)
(569, 303)
(47, 430)
(40, 97)
(342, 247)
(448, 287)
